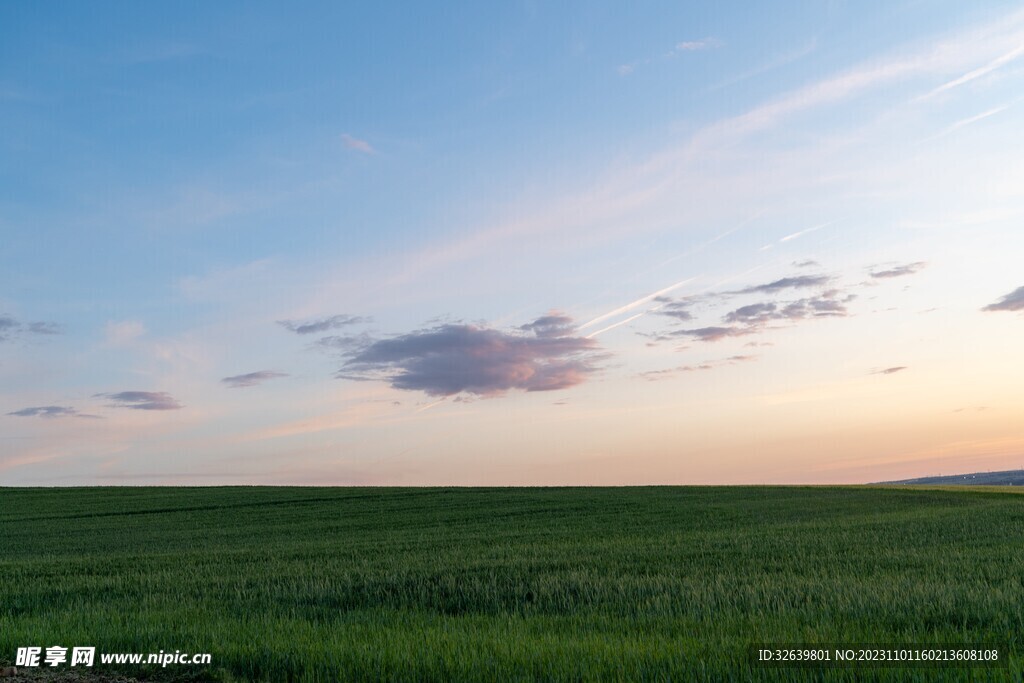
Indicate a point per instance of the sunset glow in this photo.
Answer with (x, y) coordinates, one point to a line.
(510, 244)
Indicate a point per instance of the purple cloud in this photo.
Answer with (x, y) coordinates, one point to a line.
(752, 314)
(252, 379)
(554, 325)
(457, 358)
(50, 412)
(142, 400)
(1014, 301)
(796, 282)
(9, 325)
(899, 271)
(44, 328)
(712, 334)
(323, 324)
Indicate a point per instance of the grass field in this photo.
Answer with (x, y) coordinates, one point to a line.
(656, 584)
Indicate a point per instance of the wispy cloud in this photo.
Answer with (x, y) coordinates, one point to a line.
(7, 325)
(654, 375)
(10, 326)
(801, 233)
(682, 46)
(44, 328)
(634, 304)
(50, 412)
(451, 359)
(714, 333)
(988, 68)
(356, 144)
(124, 332)
(769, 65)
(1014, 301)
(701, 44)
(753, 318)
(966, 122)
(323, 324)
(142, 400)
(753, 313)
(344, 343)
(890, 371)
(795, 282)
(899, 271)
(675, 308)
(936, 58)
(252, 379)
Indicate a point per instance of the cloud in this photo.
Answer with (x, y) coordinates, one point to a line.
(124, 332)
(828, 305)
(806, 264)
(1014, 301)
(800, 233)
(675, 308)
(957, 125)
(454, 358)
(44, 328)
(684, 46)
(346, 343)
(712, 334)
(252, 379)
(10, 326)
(357, 144)
(658, 295)
(142, 400)
(553, 325)
(996, 63)
(706, 365)
(694, 45)
(752, 318)
(754, 313)
(899, 271)
(890, 371)
(7, 325)
(796, 282)
(939, 57)
(323, 324)
(50, 412)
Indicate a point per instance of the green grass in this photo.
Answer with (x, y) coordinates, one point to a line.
(655, 584)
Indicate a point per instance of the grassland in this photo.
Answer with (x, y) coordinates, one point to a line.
(655, 584)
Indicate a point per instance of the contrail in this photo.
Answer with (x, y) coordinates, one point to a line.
(804, 232)
(980, 71)
(428, 406)
(621, 322)
(639, 302)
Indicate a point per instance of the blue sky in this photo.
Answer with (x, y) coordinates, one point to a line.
(517, 244)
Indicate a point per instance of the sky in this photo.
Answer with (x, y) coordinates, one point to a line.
(514, 243)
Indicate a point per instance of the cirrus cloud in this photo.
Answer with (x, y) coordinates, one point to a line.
(50, 412)
(252, 379)
(899, 271)
(323, 324)
(142, 400)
